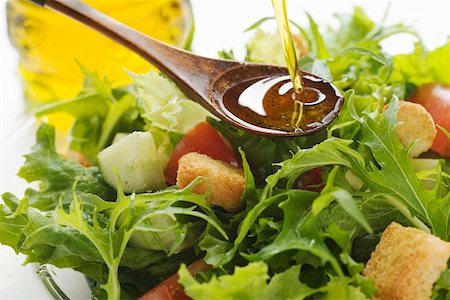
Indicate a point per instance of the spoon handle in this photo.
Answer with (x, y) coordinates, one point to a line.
(192, 73)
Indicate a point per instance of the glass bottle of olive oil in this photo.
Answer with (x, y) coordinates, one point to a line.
(50, 44)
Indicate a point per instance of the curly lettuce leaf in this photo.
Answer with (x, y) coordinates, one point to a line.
(68, 224)
(251, 283)
(92, 240)
(423, 66)
(57, 175)
(164, 106)
(246, 283)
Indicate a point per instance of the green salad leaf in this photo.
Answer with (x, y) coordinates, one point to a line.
(99, 112)
(441, 289)
(423, 66)
(265, 47)
(357, 30)
(68, 224)
(57, 175)
(251, 282)
(164, 106)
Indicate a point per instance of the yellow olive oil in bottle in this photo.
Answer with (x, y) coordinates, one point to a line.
(50, 44)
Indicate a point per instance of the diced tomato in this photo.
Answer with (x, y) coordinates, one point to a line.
(204, 139)
(170, 289)
(158, 293)
(311, 180)
(436, 100)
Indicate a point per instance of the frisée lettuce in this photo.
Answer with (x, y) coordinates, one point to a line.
(70, 223)
(164, 106)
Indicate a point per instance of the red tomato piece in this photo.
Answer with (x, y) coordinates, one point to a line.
(204, 139)
(311, 180)
(170, 289)
(158, 293)
(436, 100)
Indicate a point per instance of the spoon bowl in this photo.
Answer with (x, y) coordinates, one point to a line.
(255, 72)
(202, 79)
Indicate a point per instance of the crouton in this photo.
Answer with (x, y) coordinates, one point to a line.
(415, 123)
(227, 183)
(406, 263)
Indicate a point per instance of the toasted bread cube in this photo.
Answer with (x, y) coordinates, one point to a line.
(227, 183)
(415, 123)
(406, 263)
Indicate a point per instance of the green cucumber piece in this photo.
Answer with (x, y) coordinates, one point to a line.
(135, 160)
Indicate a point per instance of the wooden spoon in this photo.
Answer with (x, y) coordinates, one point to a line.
(202, 79)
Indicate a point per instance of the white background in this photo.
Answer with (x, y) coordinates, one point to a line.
(219, 24)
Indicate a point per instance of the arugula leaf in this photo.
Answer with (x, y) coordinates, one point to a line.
(357, 30)
(395, 174)
(37, 235)
(111, 239)
(352, 29)
(214, 255)
(298, 232)
(345, 199)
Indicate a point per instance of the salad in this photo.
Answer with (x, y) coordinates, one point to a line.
(158, 199)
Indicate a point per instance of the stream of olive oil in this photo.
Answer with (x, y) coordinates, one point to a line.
(287, 43)
(290, 55)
